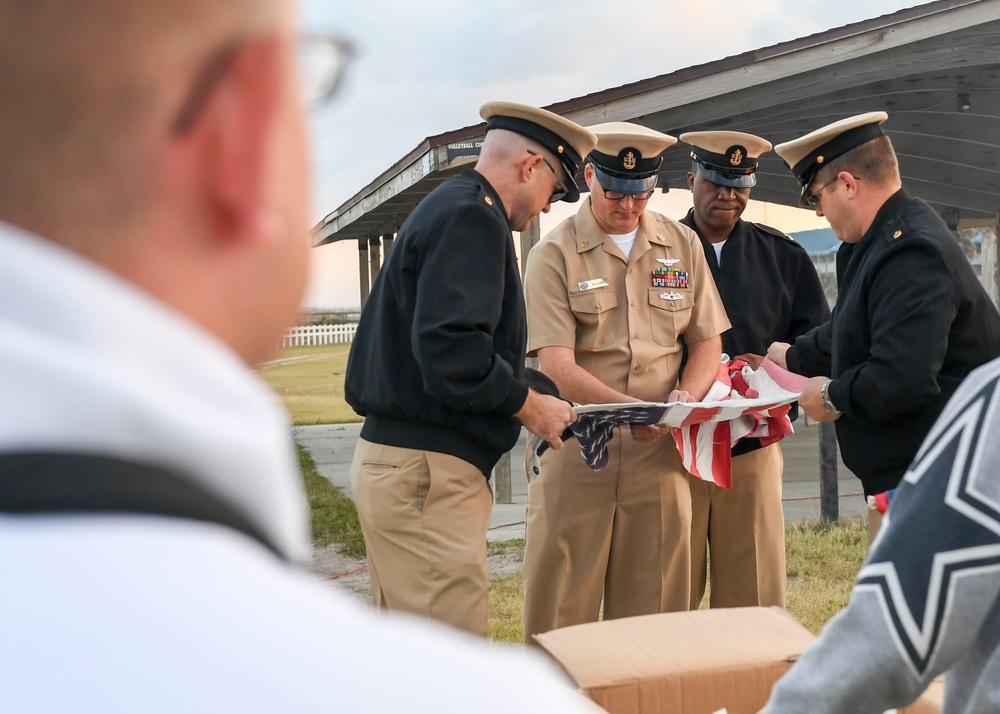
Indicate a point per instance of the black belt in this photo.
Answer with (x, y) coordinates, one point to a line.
(45, 482)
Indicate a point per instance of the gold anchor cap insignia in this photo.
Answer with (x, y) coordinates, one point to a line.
(736, 158)
(629, 161)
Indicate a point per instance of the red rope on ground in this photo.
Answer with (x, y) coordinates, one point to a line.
(815, 498)
(506, 525)
(349, 572)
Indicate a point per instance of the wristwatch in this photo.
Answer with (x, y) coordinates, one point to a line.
(825, 398)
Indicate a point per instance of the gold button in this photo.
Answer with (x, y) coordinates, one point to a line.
(489, 201)
(897, 234)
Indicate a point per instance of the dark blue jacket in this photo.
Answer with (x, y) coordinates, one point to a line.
(911, 322)
(438, 359)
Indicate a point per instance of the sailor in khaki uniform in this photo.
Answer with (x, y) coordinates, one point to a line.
(609, 294)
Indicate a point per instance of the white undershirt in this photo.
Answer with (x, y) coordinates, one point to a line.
(718, 250)
(625, 241)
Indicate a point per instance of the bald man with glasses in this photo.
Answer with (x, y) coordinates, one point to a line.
(610, 291)
(154, 533)
(437, 368)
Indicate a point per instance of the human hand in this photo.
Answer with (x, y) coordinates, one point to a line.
(811, 403)
(777, 352)
(679, 395)
(751, 359)
(546, 416)
(648, 432)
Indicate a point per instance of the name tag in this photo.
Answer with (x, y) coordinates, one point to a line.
(592, 284)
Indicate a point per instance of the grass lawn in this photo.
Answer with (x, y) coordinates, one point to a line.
(310, 381)
(822, 560)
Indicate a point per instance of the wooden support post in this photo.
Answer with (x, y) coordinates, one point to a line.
(829, 494)
(501, 480)
(363, 270)
(374, 257)
(529, 237)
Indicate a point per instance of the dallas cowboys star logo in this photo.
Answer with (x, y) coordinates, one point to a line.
(919, 574)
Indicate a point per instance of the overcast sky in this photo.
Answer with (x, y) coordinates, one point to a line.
(424, 68)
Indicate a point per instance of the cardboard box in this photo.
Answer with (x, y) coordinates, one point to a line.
(682, 663)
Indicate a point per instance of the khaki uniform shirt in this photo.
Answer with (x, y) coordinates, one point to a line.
(622, 318)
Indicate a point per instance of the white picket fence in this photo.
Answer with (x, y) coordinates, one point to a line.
(306, 335)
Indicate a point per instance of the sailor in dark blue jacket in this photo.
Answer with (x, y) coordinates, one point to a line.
(912, 319)
(437, 368)
(772, 293)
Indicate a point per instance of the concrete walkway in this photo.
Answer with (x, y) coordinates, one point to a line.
(332, 448)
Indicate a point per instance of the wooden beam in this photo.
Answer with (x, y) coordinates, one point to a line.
(363, 270)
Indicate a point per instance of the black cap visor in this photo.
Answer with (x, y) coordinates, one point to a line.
(727, 178)
(610, 182)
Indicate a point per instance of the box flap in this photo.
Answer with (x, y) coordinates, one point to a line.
(635, 649)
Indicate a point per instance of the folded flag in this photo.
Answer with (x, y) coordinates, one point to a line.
(742, 402)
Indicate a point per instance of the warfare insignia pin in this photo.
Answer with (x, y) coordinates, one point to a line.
(668, 261)
(671, 296)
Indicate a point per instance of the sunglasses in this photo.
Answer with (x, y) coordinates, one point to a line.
(561, 190)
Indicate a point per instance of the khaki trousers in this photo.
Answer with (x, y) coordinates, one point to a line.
(621, 534)
(424, 516)
(744, 528)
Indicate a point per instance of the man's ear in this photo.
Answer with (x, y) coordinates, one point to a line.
(852, 183)
(528, 165)
(690, 181)
(588, 177)
(231, 142)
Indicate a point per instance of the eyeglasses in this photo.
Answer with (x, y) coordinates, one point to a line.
(561, 190)
(812, 200)
(617, 196)
(322, 58)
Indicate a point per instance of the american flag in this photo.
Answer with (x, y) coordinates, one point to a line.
(742, 402)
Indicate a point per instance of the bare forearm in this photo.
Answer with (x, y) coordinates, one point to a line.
(574, 382)
(702, 367)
